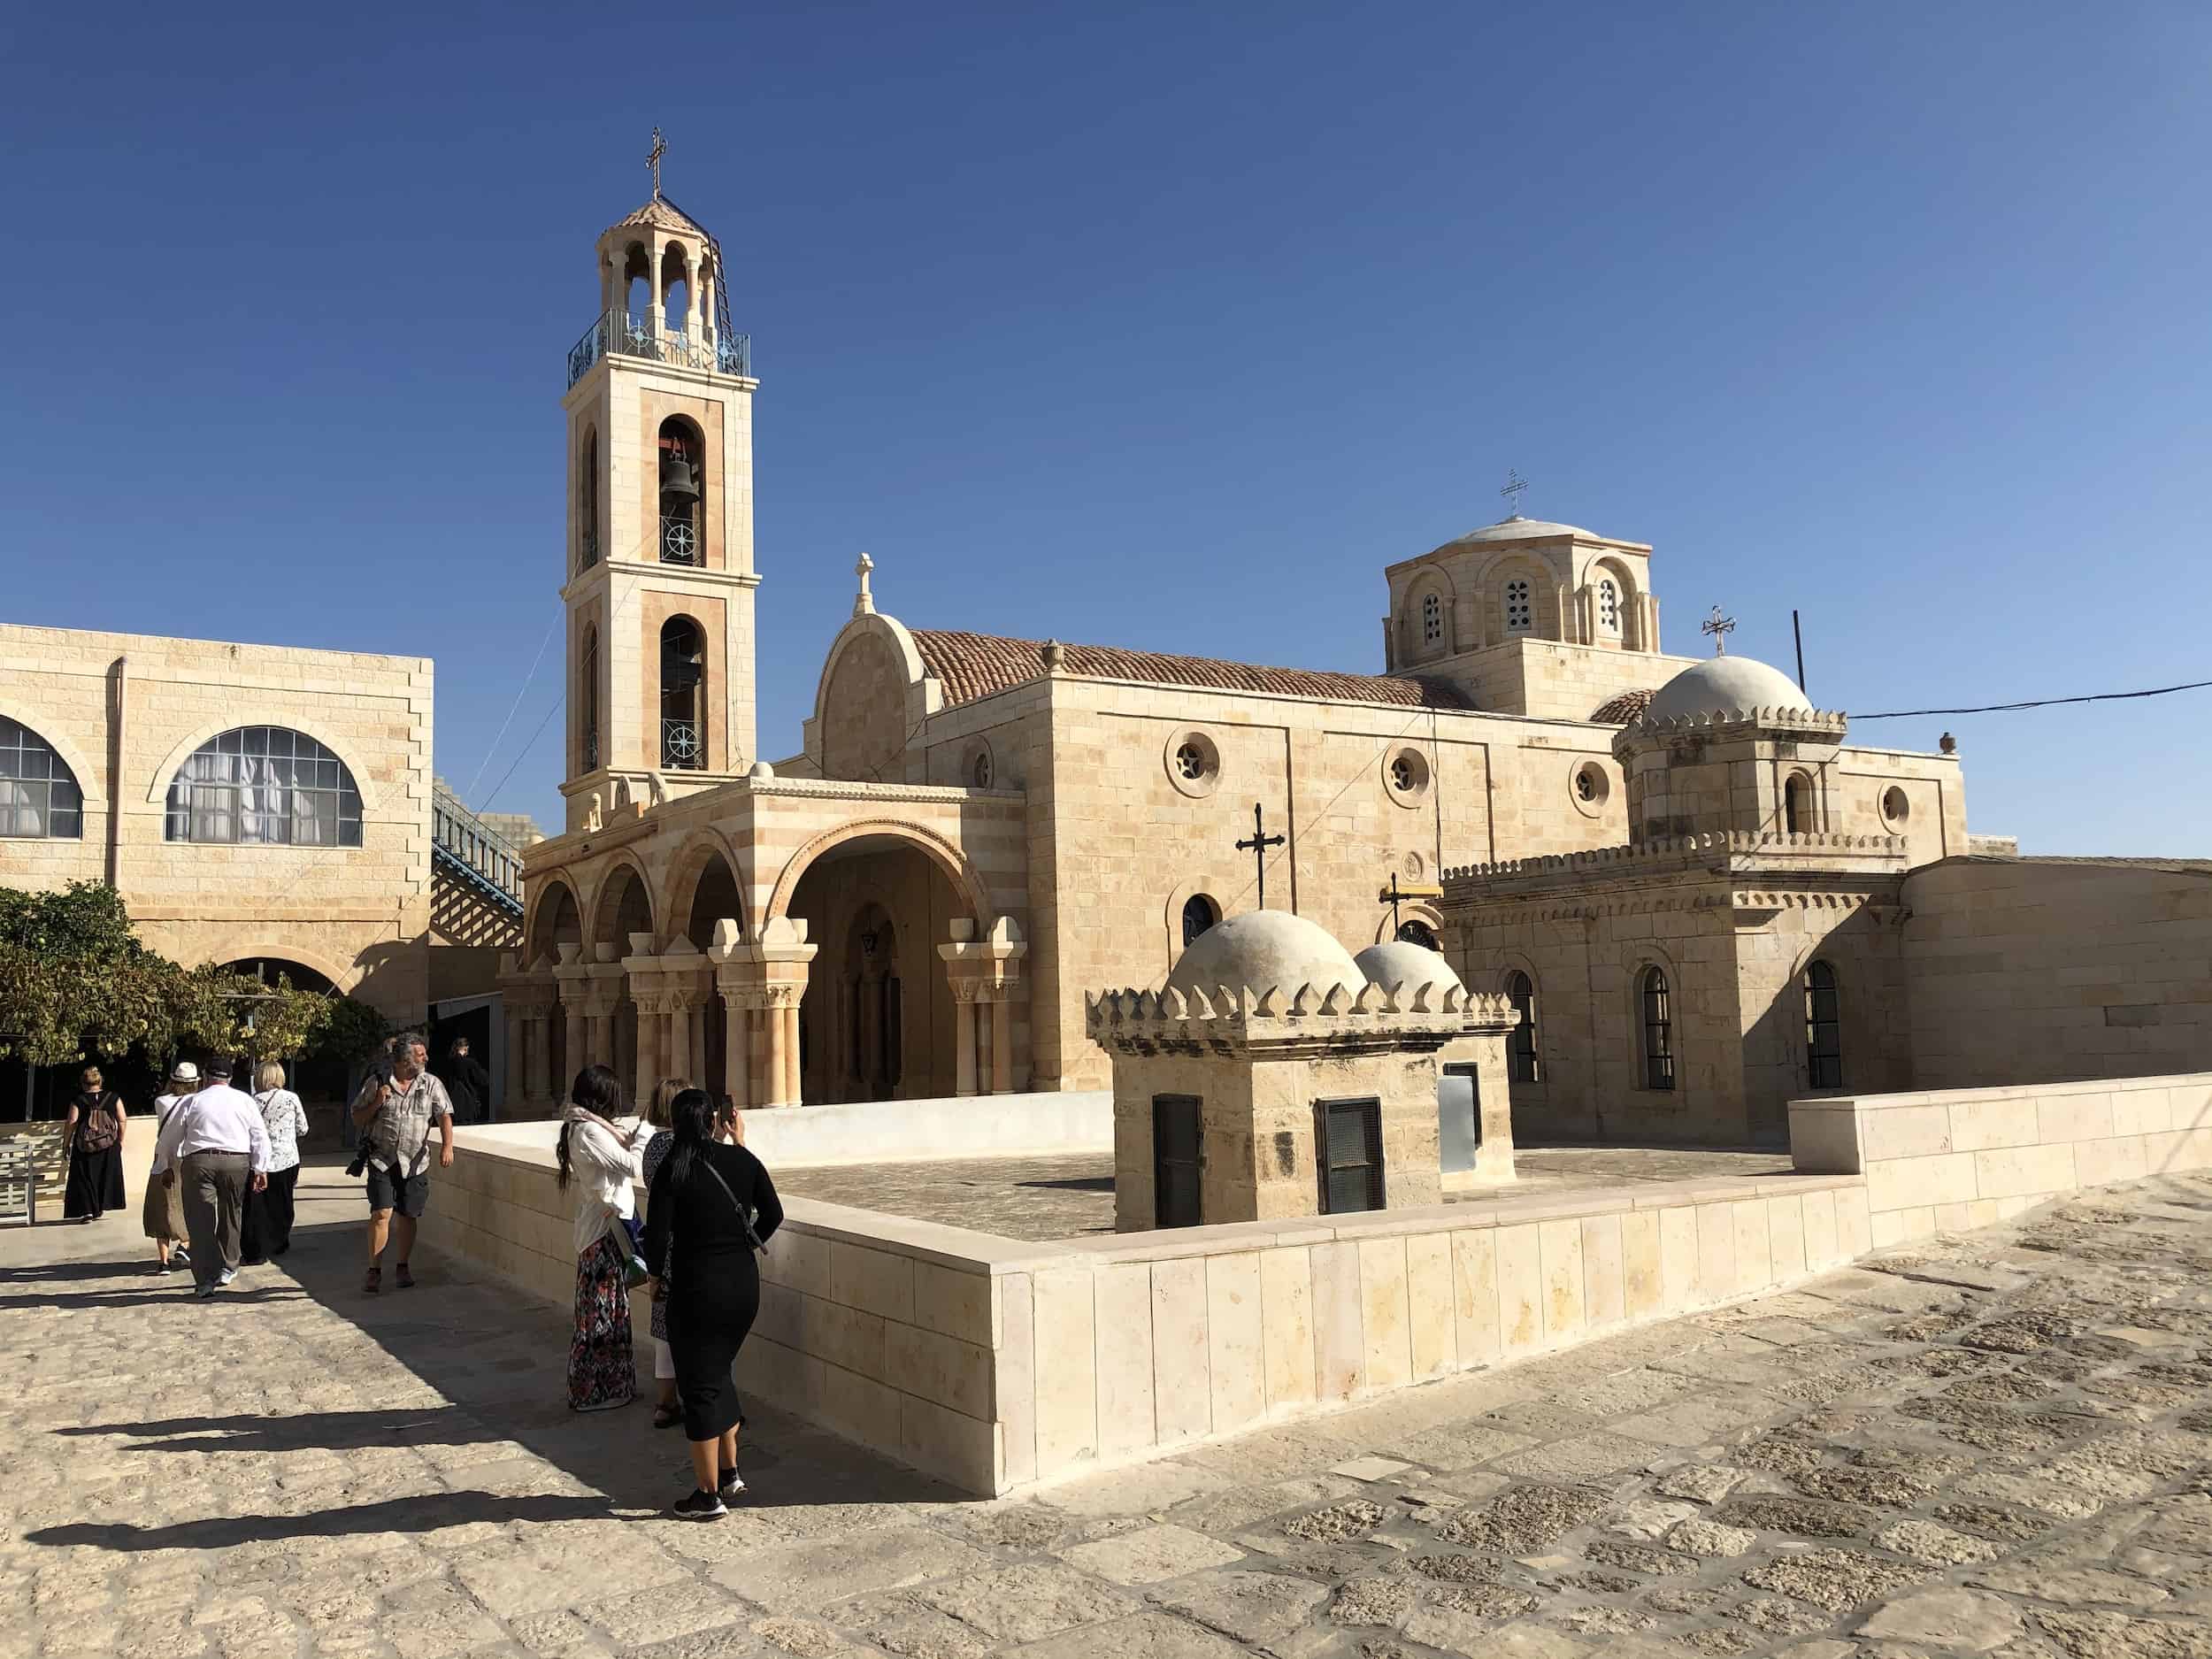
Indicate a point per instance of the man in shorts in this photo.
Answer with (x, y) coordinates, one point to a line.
(395, 1116)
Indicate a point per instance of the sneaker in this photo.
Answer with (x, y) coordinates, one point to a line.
(406, 1278)
(732, 1487)
(374, 1282)
(179, 1256)
(204, 1293)
(225, 1280)
(699, 1506)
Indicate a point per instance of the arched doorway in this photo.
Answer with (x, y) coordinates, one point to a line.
(715, 898)
(877, 1020)
(311, 1080)
(624, 909)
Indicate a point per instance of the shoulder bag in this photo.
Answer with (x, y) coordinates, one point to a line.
(745, 1218)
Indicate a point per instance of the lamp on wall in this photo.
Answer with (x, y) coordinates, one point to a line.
(868, 942)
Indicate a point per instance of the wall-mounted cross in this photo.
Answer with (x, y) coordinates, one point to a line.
(1391, 898)
(1257, 847)
(1720, 627)
(653, 160)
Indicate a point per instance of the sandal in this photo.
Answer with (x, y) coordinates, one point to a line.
(667, 1416)
(374, 1282)
(406, 1278)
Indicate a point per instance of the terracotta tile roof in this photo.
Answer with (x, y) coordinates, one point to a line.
(1621, 709)
(972, 666)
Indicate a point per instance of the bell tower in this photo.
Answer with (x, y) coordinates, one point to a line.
(659, 577)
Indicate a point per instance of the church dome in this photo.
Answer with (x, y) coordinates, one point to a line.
(1266, 950)
(1519, 529)
(1724, 686)
(1401, 962)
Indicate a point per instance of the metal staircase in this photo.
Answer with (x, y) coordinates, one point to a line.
(464, 850)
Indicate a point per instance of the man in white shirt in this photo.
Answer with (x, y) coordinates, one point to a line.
(213, 1146)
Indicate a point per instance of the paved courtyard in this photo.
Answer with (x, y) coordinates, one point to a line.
(2001, 1444)
(1066, 1198)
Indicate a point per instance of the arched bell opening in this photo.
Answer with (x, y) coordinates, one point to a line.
(682, 490)
(683, 695)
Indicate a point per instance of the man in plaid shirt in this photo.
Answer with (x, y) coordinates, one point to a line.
(395, 1116)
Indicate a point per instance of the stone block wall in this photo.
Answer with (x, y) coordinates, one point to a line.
(2027, 970)
(1943, 1161)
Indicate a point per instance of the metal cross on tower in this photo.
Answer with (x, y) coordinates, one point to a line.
(1516, 487)
(1257, 847)
(653, 160)
(1720, 627)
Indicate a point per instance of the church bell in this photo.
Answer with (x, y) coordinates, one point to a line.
(677, 482)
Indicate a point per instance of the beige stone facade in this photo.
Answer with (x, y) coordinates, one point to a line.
(1081, 805)
(125, 713)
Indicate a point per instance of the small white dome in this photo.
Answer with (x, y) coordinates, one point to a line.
(1401, 962)
(1519, 529)
(1266, 950)
(760, 769)
(1724, 685)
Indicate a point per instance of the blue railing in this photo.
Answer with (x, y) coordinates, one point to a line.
(620, 335)
(465, 847)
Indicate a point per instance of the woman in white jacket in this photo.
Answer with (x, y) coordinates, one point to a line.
(598, 1164)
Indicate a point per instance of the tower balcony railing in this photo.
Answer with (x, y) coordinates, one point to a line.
(619, 335)
(680, 747)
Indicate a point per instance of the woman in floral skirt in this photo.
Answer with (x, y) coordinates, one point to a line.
(598, 1159)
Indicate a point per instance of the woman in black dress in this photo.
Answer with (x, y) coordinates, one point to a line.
(94, 1131)
(710, 1207)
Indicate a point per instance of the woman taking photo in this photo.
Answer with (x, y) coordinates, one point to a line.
(94, 1132)
(710, 1207)
(598, 1160)
(267, 1229)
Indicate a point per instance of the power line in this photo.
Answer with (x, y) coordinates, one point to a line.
(524, 754)
(493, 748)
(2038, 703)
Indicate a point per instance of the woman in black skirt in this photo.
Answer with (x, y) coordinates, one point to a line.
(710, 1206)
(94, 1132)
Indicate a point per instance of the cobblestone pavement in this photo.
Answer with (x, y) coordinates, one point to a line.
(1999, 1444)
(1066, 1197)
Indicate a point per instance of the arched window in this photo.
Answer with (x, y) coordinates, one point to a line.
(264, 785)
(1824, 1028)
(683, 695)
(1521, 1064)
(1608, 606)
(1658, 1024)
(39, 796)
(1431, 619)
(587, 502)
(1200, 913)
(1413, 931)
(587, 704)
(1520, 615)
(1797, 803)
(683, 483)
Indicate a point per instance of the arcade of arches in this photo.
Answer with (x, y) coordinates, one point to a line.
(874, 978)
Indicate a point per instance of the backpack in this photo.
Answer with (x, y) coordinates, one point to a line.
(99, 1128)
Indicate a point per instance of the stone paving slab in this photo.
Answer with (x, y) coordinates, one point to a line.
(1995, 1444)
(1072, 1196)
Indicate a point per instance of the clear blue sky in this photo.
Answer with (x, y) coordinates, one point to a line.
(1166, 325)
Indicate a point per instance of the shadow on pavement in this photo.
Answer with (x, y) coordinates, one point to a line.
(497, 1359)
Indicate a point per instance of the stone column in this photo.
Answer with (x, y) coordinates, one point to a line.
(963, 1042)
(537, 1066)
(649, 1031)
(737, 1048)
(518, 1040)
(772, 1068)
(1001, 1047)
(794, 1089)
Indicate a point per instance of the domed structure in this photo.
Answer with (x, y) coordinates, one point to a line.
(1519, 529)
(1401, 962)
(1266, 950)
(1619, 710)
(1724, 686)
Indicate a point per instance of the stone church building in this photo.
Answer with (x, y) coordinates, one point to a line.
(979, 829)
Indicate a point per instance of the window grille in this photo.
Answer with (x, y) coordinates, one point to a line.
(263, 785)
(1608, 605)
(1432, 619)
(1200, 913)
(39, 796)
(1824, 1028)
(1519, 615)
(1522, 1066)
(1351, 1155)
(1658, 1031)
(1413, 931)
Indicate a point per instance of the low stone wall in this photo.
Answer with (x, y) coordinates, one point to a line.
(903, 1131)
(996, 1363)
(1946, 1160)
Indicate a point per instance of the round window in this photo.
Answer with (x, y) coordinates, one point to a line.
(1895, 807)
(1590, 785)
(980, 769)
(1406, 776)
(1193, 763)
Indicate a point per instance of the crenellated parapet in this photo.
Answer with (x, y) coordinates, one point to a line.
(1240, 1020)
(1702, 850)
